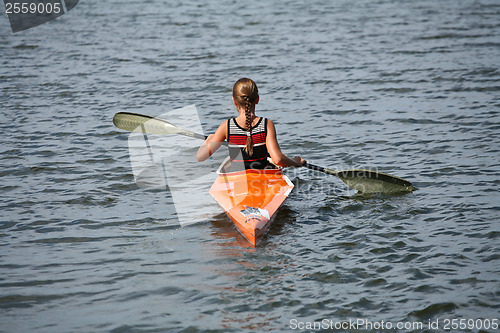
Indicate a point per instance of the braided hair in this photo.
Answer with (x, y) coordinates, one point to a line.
(245, 93)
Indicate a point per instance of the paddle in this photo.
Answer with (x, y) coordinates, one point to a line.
(368, 181)
(140, 123)
(365, 181)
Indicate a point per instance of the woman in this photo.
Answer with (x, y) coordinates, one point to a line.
(251, 139)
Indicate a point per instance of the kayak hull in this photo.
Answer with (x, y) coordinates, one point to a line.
(251, 198)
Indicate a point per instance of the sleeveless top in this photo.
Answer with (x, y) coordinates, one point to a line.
(237, 140)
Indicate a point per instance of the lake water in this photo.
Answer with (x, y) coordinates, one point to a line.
(411, 88)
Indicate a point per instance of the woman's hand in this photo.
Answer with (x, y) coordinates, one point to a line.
(299, 160)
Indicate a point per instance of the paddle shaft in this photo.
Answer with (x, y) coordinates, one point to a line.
(320, 169)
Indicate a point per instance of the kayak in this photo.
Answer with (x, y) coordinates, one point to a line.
(251, 198)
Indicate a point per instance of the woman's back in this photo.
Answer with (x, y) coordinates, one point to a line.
(237, 140)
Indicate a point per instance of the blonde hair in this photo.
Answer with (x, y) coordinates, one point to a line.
(245, 94)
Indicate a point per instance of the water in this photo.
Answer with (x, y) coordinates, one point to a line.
(407, 87)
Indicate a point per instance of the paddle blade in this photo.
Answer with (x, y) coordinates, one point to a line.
(368, 181)
(134, 122)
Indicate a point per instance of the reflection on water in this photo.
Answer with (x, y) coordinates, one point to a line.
(250, 279)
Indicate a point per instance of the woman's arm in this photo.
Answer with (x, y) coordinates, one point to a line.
(274, 150)
(212, 143)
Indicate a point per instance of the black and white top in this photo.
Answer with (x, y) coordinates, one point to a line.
(237, 139)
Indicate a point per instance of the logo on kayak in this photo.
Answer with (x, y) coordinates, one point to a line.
(255, 212)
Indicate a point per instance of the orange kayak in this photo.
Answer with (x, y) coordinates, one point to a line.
(251, 198)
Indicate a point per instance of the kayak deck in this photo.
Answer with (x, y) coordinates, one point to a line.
(251, 198)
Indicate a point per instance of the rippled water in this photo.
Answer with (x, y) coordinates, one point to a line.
(408, 87)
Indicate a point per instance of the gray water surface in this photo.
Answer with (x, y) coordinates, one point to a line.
(411, 88)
